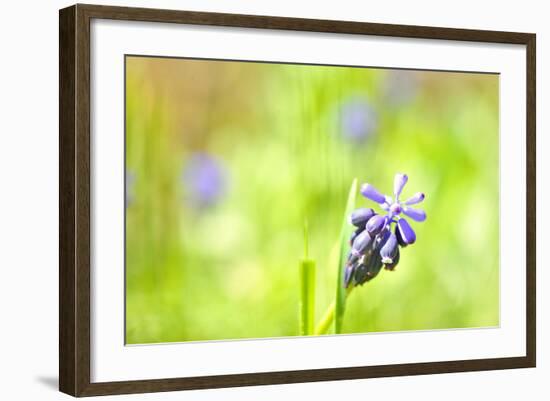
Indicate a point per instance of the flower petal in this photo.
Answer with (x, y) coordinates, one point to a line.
(415, 214)
(406, 233)
(400, 240)
(398, 183)
(416, 198)
(368, 191)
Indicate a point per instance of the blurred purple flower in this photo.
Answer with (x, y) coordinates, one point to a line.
(129, 190)
(204, 180)
(358, 119)
(401, 87)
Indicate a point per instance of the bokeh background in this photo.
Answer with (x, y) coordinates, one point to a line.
(225, 161)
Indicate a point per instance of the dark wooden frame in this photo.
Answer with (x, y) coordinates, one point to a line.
(74, 199)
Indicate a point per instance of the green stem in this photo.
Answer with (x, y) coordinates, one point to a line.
(324, 325)
(307, 271)
(326, 321)
(306, 240)
(345, 231)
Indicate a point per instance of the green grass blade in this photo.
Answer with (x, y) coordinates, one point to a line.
(307, 296)
(345, 232)
(307, 289)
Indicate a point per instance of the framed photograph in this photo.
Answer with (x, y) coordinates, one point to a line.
(250, 200)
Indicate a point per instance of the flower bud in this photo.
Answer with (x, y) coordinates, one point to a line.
(348, 274)
(353, 257)
(361, 242)
(391, 266)
(376, 224)
(360, 217)
(355, 234)
(389, 248)
(369, 269)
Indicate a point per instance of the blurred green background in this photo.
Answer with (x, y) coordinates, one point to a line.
(226, 160)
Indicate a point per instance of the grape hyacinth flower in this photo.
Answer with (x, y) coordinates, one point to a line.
(377, 240)
(204, 180)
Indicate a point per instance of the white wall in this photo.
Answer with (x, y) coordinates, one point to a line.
(28, 197)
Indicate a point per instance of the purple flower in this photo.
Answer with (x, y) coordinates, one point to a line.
(367, 257)
(204, 180)
(358, 120)
(129, 190)
(395, 206)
